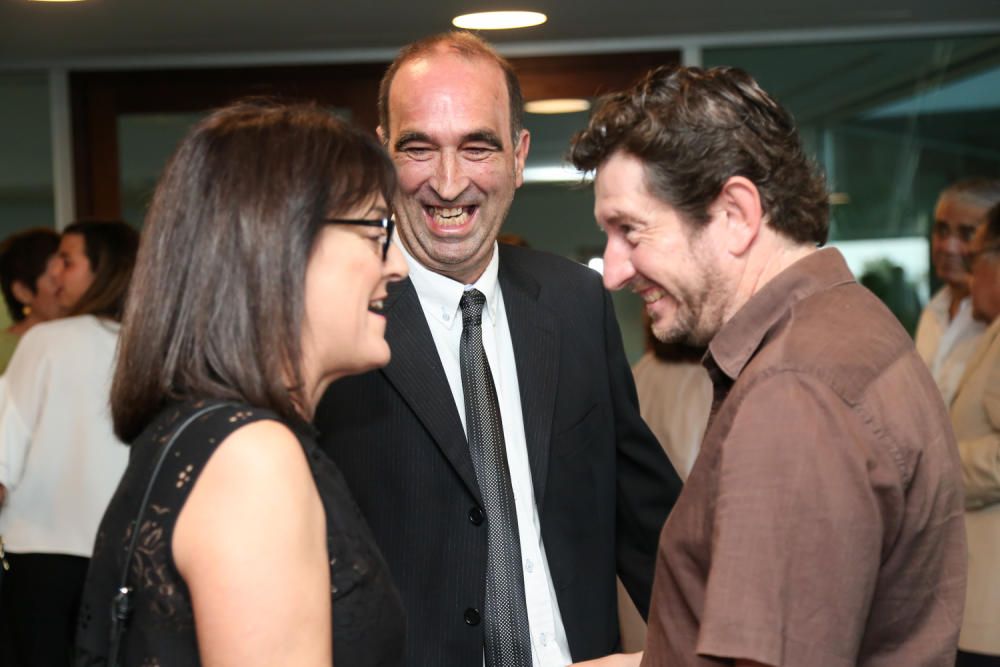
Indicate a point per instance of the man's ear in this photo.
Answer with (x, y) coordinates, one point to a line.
(520, 155)
(739, 202)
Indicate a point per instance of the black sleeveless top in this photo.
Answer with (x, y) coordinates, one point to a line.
(368, 622)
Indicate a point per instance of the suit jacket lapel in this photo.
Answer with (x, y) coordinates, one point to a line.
(416, 373)
(535, 338)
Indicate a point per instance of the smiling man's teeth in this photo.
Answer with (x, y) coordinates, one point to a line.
(450, 217)
(652, 296)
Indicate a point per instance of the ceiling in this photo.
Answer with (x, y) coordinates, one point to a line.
(49, 33)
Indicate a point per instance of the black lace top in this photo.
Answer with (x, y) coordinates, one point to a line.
(368, 621)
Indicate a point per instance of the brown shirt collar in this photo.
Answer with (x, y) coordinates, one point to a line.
(741, 336)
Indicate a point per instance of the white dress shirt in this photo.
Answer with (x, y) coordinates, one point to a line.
(439, 297)
(59, 458)
(945, 346)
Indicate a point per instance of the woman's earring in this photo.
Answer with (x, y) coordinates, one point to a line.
(26, 310)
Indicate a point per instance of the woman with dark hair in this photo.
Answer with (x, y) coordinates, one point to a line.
(260, 280)
(28, 290)
(59, 457)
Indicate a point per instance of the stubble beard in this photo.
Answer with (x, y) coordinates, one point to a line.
(700, 308)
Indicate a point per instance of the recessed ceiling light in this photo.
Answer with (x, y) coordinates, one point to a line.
(498, 20)
(557, 105)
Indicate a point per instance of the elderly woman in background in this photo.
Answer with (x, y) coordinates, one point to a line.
(975, 415)
(29, 291)
(261, 279)
(59, 458)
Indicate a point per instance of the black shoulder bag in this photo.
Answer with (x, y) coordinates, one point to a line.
(121, 603)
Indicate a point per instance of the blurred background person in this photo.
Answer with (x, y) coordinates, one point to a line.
(675, 397)
(261, 279)
(947, 332)
(975, 415)
(30, 293)
(59, 459)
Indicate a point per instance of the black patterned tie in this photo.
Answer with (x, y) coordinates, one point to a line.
(508, 642)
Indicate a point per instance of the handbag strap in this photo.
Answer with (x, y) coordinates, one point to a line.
(121, 603)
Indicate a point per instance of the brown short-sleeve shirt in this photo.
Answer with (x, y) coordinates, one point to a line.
(822, 523)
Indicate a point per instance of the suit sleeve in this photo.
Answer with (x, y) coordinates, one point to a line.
(647, 484)
(981, 456)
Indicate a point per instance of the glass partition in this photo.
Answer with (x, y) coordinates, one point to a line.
(26, 196)
(892, 123)
(145, 142)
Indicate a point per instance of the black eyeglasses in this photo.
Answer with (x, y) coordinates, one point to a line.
(388, 224)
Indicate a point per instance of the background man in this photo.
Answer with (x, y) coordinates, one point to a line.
(947, 332)
(500, 458)
(975, 415)
(821, 523)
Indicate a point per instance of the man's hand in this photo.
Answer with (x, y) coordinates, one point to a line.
(616, 660)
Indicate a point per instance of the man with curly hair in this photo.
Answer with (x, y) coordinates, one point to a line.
(821, 524)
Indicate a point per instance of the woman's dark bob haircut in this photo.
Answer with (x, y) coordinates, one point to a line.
(216, 305)
(24, 257)
(110, 246)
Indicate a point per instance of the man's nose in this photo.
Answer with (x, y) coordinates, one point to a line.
(953, 243)
(618, 269)
(449, 179)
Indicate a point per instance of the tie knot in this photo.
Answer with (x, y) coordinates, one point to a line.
(472, 303)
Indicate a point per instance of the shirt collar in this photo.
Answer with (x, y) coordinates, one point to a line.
(741, 336)
(440, 295)
(940, 307)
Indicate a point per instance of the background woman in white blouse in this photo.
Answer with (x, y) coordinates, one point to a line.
(59, 459)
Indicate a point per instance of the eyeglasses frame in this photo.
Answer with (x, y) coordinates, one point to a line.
(387, 223)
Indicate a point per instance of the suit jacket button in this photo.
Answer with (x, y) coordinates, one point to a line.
(472, 616)
(476, 515)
